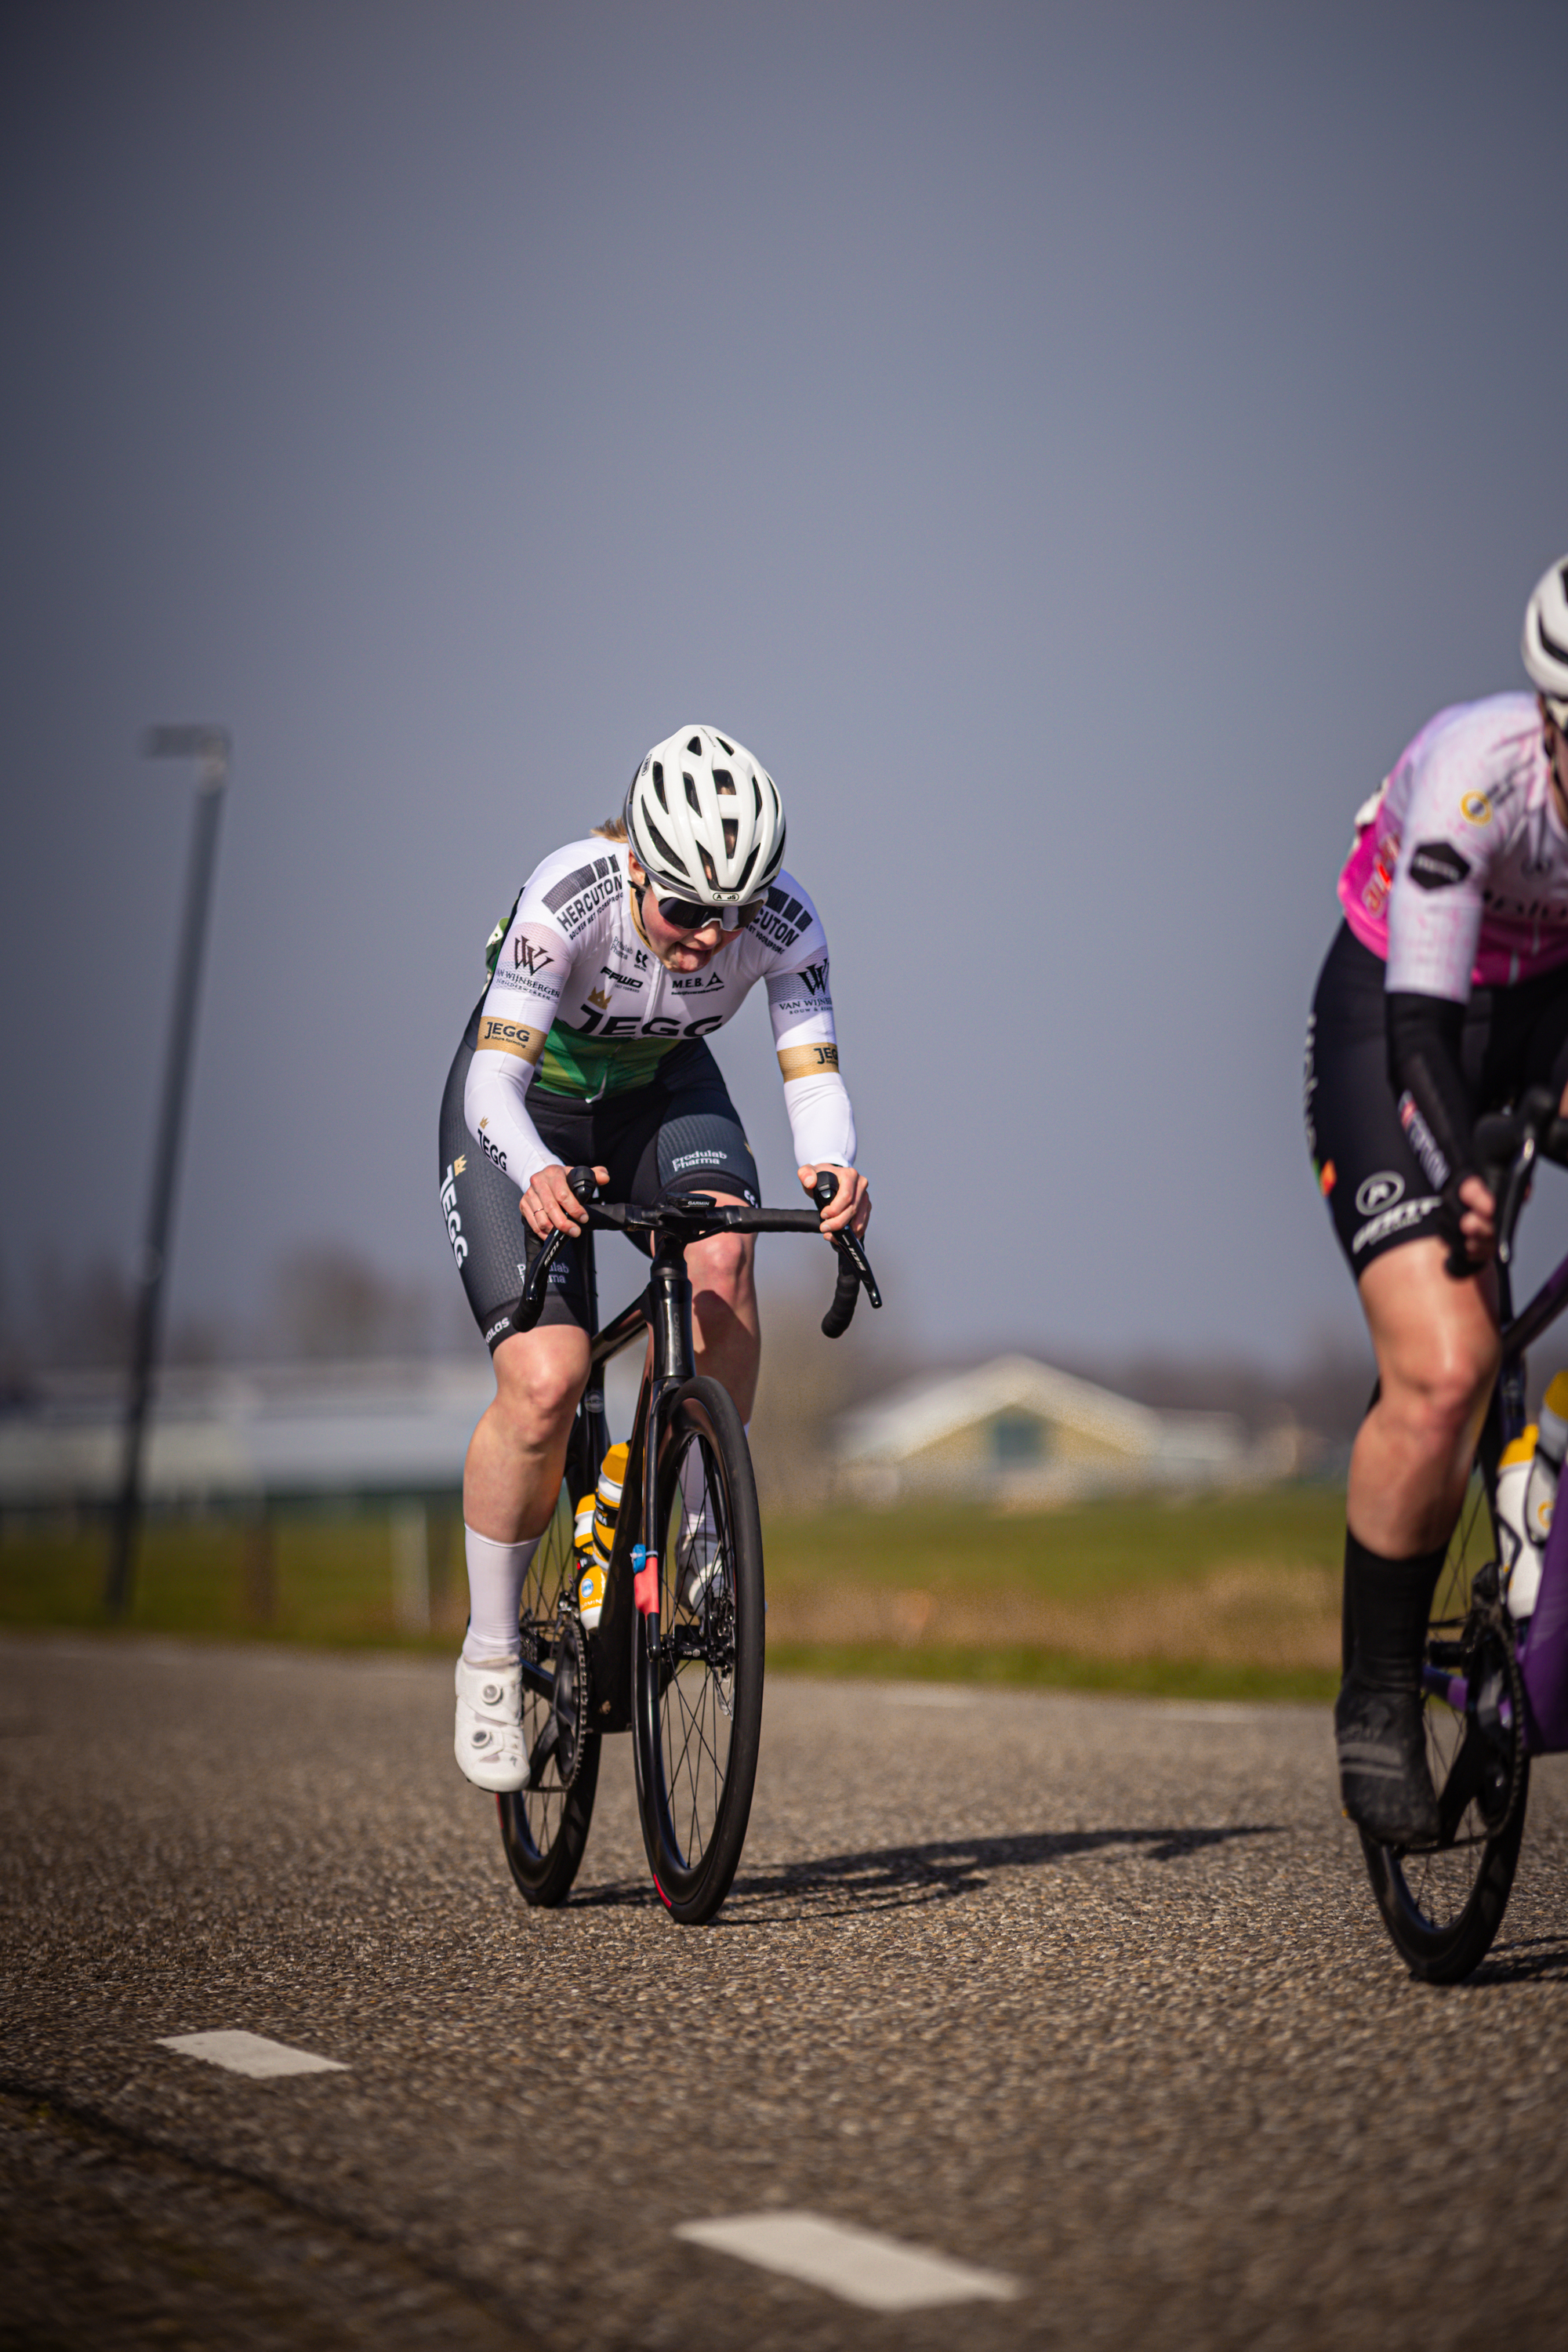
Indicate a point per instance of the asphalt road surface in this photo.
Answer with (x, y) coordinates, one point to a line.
(1089, 1994)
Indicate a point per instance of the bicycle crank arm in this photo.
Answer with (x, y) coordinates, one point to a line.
(544, 1750)
(538, 1679)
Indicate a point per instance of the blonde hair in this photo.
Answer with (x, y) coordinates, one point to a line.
(613, 829)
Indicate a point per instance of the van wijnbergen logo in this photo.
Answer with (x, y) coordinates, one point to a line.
(1379, 1192)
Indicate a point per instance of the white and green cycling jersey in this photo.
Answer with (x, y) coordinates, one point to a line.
(580, 1005)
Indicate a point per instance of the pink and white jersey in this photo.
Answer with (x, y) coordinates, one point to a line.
(1459, 878)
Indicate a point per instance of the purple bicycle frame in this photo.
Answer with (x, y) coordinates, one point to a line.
(1542, 1638)
(1543, 1649)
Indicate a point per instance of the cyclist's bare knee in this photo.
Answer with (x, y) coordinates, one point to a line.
(1435, 1340)
(722, 1268)
(540, 1375)
(1437, 1346)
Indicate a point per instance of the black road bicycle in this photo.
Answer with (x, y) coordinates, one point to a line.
(677, 1655)
(1496, 1686)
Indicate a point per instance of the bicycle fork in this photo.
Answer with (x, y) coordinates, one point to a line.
(670, 1316)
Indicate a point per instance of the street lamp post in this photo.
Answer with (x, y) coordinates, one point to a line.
(210, 747)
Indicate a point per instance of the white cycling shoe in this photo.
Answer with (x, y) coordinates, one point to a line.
(488, 1742)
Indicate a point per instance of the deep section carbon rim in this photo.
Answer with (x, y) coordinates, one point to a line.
(1443, 1905)
(544, 1827)
(700, 1703)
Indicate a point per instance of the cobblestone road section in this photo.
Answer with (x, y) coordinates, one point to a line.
(1089, 1995)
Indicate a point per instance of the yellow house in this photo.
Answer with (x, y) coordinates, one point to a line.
(1019, 1431)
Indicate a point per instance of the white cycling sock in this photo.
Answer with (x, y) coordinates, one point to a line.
(496, 1571)
(691, 1486)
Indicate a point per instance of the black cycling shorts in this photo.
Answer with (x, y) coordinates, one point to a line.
(681, 1134)
(1377, 1193)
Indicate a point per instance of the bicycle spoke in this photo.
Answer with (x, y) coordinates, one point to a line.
(700, 1701)
(699, 1602)
(544, 1825)
(1441, 1903)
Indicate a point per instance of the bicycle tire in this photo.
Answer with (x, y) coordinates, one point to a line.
(544, 1828)
(697, 1702)
(1443, 1906)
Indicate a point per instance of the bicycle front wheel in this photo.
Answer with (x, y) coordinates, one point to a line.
(1443, 1905)
(698, 1696)
(544, 1827)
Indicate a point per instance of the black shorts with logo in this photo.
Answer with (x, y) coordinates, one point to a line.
(1378, 1191)
(681, 1134)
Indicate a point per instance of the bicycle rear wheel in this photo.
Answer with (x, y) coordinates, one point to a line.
(1443, 1905)
(699, 1699)
(544, 1827)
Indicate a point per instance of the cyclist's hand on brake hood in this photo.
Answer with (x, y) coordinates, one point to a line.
(851, 1205)
(549, 1205)
(1477, 1219)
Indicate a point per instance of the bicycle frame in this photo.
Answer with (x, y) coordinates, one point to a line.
(631, 1581)
(665, 1306)
(1541, 1641)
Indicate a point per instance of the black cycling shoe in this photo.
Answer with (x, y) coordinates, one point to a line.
(1385, 1782)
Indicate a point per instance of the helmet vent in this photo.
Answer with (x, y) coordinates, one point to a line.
(671, 857)
(1558, 653)
(710, 815)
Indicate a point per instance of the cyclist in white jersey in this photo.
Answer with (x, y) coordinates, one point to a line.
(1444, 995)
(622, 954)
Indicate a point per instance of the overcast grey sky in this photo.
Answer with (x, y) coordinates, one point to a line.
(1074, 447)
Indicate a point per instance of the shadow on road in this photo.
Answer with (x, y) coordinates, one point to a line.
(889, 1878)
(1528, 1960)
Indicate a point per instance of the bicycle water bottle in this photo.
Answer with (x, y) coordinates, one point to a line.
(607, 1499)
(1512, 1479)
(1542, 1493)
(1540, 1497)
(589, 1567)
(595, 1534)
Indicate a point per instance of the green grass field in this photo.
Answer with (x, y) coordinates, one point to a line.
(1223, 1596)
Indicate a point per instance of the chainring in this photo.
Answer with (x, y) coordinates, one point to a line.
(1491, 1664)
(1496, 1664)
(569, 1705)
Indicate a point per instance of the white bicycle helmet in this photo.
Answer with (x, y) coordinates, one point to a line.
(704, 821)
(1546, 639)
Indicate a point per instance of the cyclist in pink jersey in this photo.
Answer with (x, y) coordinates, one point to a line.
(1445, 994)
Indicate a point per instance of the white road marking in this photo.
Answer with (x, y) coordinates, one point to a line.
(249, 2054)
(861, 2265)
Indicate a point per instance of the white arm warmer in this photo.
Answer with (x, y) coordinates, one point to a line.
(495, 1110)
(820, 1120)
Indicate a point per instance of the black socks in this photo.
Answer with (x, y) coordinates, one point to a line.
(1390, 1601)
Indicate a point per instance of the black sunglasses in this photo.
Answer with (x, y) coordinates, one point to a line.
(691, 915)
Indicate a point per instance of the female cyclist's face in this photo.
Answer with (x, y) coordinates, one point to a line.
(1557, 753)
(677, 951)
